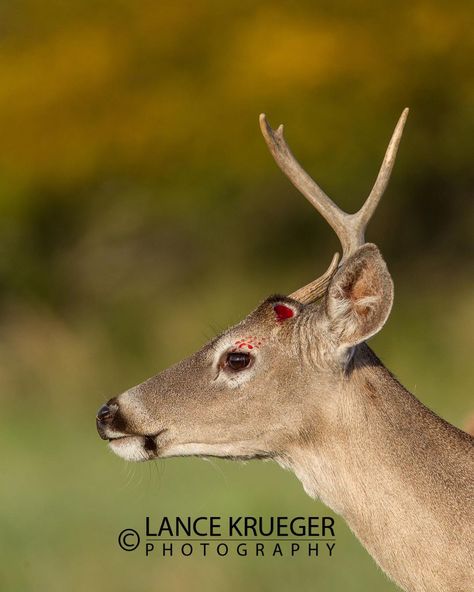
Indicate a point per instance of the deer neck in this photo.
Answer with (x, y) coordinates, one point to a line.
(383, 461)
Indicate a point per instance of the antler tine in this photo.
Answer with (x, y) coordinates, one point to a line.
(284, 158)
(366, 211)
(316, 288)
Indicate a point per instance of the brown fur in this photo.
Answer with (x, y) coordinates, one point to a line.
(317, 400)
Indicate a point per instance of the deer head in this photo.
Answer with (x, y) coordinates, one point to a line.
(295, 381)
(267, 385)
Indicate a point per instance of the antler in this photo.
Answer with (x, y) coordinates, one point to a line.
(350, 228)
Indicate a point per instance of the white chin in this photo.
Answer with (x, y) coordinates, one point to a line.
(130, 448)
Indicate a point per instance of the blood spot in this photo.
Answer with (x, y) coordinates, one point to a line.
(248, 342)
(283, 312)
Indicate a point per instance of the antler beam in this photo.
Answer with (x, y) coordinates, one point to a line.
(350, 228)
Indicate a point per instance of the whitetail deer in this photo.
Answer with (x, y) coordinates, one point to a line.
(296, 382)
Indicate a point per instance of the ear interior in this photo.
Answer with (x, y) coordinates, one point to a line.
(360, 296)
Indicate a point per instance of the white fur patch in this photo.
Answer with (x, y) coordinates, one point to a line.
(129, 448)
(223, 449)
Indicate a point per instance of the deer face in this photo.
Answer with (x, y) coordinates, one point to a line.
(250, 392)
(224, 400)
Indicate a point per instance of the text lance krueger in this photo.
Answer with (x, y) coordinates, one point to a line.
(220, 536)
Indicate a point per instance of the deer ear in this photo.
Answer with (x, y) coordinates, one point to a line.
(359, 297)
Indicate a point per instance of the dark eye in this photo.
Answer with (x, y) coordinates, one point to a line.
(237, 360)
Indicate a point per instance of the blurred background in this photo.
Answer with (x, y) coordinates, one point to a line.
(140, 213)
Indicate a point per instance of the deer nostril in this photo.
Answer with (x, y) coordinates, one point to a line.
(109, 421)
(105, 413)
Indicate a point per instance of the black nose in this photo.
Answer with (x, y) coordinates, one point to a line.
(105, 414)
(105, 417)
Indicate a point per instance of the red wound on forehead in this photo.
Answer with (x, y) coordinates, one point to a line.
(283, 312)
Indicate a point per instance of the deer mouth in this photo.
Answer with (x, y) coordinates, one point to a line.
(135, 447)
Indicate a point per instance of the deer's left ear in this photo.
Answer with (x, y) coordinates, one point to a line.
(359, 297)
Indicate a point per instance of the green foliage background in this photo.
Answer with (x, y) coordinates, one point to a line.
(140, 212)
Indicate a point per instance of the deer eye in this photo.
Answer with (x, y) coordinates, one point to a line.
(237, 360)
